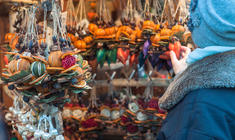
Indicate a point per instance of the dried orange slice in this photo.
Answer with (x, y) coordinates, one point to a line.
(81, 84)
(74, 67)
(79, 70)
(38, 79)
(37, 58)
(54, 69)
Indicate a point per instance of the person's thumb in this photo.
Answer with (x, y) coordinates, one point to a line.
(174, 59)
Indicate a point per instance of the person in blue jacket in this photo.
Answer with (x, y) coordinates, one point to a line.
(201, 99)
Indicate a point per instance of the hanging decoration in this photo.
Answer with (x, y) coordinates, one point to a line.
(43, 77)
(71, 13)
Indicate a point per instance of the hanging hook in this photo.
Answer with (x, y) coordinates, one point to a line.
(128, 86)
(113, 75)
(110, 78)
(148, 93)
(93, 81)
(93, 77)
(131, 76)
(149, 75)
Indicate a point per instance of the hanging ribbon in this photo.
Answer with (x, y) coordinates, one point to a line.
(171, 10)
(31, 33)
(57, 21)
(147, 10)
(104, 13)
(71, 13)
(181, 9)
(157, 9)
(81, 17)
(45, 21)
(81, 11)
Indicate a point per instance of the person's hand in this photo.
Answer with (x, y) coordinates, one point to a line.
(180, 65)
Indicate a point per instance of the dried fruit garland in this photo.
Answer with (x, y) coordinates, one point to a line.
(107, 40)
(135, 115)
(134, 119)
(150, 41)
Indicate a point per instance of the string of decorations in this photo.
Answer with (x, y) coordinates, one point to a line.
(42, 77)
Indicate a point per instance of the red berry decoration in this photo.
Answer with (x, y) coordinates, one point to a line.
(68, 61)
(89, 123)
(141, 103)
(132, 128)
(124, 119)
(114, 105)
(153, 103)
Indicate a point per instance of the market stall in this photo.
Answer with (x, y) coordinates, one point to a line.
(89, 69)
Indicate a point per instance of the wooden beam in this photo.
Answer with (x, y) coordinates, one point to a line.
(134, 83)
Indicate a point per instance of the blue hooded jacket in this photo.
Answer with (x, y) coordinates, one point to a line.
(205, 114)
(201, 100)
